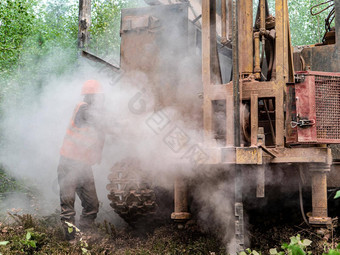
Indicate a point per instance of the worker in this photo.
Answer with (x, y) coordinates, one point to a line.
(81, 149)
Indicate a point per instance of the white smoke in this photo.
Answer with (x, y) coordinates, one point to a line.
(166, 138)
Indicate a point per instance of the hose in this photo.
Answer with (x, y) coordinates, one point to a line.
(301, 199)
(316, 13)
(301, 205)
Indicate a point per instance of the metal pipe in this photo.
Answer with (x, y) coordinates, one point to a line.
(236, 76)
(245, 40)
(262, 16)
(224, 21)
(254, 120)
(262, 30)
(239, 226)
(257, 67)
(230, 18)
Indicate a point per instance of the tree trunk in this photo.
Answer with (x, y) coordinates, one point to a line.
(84, 23)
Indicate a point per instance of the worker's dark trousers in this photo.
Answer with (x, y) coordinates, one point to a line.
(76, 177)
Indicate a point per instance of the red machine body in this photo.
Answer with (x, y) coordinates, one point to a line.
(313, 109)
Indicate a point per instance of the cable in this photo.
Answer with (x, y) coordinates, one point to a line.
(301, 181)
(301, 204)
(316, 13)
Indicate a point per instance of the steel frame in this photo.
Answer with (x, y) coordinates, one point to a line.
(253, 90)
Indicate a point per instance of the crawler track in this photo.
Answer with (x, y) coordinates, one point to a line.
(132, 198)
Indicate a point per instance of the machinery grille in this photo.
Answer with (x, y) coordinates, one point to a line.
(327, 100)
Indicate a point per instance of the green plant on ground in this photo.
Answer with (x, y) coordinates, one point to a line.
(249, 251)
(28, 241)
(32, 241)
(297, 246)
(333, 251)
(83, 244)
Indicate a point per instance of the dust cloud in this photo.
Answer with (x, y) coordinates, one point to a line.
(160, 126)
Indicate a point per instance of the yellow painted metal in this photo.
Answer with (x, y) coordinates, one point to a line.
(262, 16)
(224, 21)
(281, 71)
(206, 71)
(254, 120)
(248, 156)
(257, 68)
(245, 37)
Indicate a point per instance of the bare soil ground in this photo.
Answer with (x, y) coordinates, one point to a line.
(46, 237)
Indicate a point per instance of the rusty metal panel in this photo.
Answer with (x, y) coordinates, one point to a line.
(314, 109)
(305, 110)
(323, 58)
(327, 88)
(153, 39)
(301, 155)
(139, 22)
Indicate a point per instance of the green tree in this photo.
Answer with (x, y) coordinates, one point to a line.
(17, 20)
(105, 27)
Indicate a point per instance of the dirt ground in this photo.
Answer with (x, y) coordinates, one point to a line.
(46, 237)
(25, 234)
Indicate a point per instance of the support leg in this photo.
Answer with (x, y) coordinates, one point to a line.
(319, 195)
(181, 213)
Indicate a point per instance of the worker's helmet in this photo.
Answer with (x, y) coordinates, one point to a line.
(91, 87)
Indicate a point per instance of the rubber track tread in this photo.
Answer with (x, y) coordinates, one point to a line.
(131, 196)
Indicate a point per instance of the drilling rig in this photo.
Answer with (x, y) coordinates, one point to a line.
(291, 107)
(291, 95)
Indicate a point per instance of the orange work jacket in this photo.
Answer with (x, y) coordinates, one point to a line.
(84, 144)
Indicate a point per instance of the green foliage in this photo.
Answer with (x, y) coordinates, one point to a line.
(333, 251)
(71, 227)
(105, 27)
(38, 40)
(305, 29)
(84, 247)
(249, 251)
(32, 31)
(337, 194)
(28, 241)
(295, 247)
(32, 241)
(17, 21)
